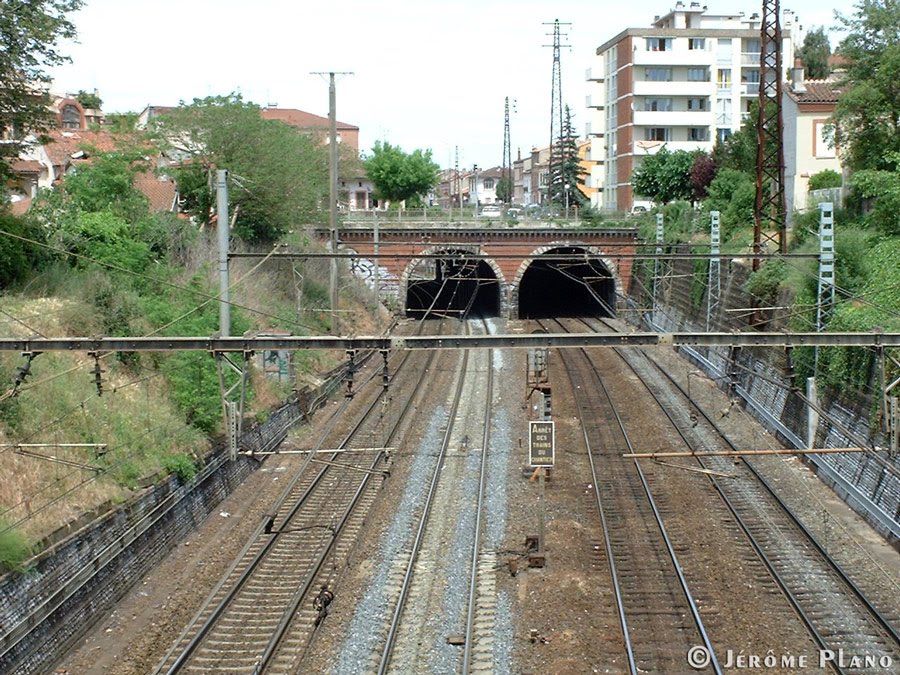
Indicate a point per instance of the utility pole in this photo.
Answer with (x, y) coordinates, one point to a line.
(556, 109)
(333, 193)
(223, 238)
(506, 173)
(770, 217)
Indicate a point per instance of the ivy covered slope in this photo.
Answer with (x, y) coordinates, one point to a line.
(91, 258)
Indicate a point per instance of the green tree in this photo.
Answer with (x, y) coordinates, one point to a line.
(883, 188)
(827, 178)
(868, 111)
(399, 176)
(665, 176)
(814, 53)
(733, 194)
(29, 32)
(89, 99)
(568, 174)
(278, 174)
(121, 123)
(505, 188)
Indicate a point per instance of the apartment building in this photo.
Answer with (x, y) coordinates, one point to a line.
(683, 82)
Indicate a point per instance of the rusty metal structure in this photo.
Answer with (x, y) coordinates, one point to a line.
(770, 217)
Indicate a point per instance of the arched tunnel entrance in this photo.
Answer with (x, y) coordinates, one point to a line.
(453, 286)
(578, 285)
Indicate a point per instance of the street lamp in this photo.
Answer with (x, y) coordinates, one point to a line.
(566, 186)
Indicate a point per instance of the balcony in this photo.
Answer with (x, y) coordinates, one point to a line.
(750, 58)
(750, 89)
(673, 88)
(642, 148)
(599, 105)
(679, 118)
(675, 57)
(594, 75)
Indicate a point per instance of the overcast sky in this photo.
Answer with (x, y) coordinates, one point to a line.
(426, 74)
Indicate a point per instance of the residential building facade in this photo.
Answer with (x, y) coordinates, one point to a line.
(809, 147)
(682, 83)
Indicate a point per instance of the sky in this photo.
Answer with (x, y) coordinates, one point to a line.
(426, 74)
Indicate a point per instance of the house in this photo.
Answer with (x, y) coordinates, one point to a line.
(684, 82)
(346, 133)
(807, 107)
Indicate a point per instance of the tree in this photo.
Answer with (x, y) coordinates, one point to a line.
(665, 176)
(868, 111)
(703, 172)
(278, 174)
(505, 188)
(88, 99)
(814, 53)
(568, 174)
(29, 31)
(398, 176)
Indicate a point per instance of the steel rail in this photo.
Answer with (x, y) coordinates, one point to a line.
(873, 611)
(245, 576)
(423, 521)
(476, 544)
(458, 254)
(682, 581)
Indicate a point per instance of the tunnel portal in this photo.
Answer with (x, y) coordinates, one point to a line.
(454, 286)
(579, 286)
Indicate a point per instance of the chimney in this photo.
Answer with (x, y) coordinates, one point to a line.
(797, 76)
(679, 5)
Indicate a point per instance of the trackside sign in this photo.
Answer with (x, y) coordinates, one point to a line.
(541, 442)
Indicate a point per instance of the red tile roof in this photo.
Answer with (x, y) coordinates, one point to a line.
(159, 192)
(817, 91)
(20, 207)
(301, 119)
(26, 166)
(63, 144)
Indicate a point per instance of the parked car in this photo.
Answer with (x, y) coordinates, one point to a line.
(491, 212)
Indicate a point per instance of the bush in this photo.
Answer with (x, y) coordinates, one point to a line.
(18, 258)
(764, 283)
(14, 549)
(182, 465)
(824, 180)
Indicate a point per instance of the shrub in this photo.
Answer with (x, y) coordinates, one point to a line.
(824, 180)
(14, 548)
(182, 465)
(765, 282)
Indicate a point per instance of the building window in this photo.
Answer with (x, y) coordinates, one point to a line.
(698, 134)
(71, 117)
(696, 104)
(697, 43)
(658, 74)
(723, 134)
(823, 140)
(658, 104)
(723, 78)
(659, 44)
(698, 75)
(723, 50)
(488, 183)
(656, 134)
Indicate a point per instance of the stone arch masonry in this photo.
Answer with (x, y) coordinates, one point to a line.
(409, 242)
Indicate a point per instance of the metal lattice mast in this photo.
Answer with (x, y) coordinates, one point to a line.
(657, 265)
(714, 288)
(770, 220)
(507, 153)
(556, 109)
(825, 299)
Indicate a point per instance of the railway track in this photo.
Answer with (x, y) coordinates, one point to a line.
(838, 615)
(658, 616)
(261, 617)
(449, 525)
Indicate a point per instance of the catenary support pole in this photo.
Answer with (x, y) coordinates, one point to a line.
(223, 234)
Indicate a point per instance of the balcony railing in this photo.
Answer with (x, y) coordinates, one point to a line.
(750, 58)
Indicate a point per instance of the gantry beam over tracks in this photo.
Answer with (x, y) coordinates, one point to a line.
(462, 254)
(510, 341)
